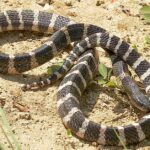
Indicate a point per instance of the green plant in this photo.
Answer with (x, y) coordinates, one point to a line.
(145, 11)
(69, 132)
(105, 74)
(147, 40)
(53, 68)
(2, 147)
(121, 141)
(7, 132)
(134, 46)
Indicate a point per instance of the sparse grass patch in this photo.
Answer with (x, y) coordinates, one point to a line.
(145, 11)
(8, 133)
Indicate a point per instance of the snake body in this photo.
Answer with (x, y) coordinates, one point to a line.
(31, 21)
(69, 94)
(106, 41)
(71, 89)
(74, 83)
(137, 98)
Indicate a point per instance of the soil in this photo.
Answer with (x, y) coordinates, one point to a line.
(32, 115)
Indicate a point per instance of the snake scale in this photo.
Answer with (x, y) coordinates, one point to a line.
(75, 82)
(71, 89)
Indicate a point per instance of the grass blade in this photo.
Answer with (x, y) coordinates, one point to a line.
(7, 132)
(2, 147)
(102, 70)
(123, 144)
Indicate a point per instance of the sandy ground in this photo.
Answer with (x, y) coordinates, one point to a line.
(37, 125)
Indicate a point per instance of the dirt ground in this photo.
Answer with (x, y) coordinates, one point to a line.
(32, 115)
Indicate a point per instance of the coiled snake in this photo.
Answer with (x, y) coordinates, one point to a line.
(76, 81)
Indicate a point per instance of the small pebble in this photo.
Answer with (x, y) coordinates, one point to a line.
(109, 18)
(5, 1)
(46, 7)
(72, 13)
(23, 115)
(51, 1)
(81, 144)
(68, 2)
(29, 40)
(43, 2)
(58, 133)
(20, 35)
(144, 3)
(2, 101)
(94, 143)
(98, 3)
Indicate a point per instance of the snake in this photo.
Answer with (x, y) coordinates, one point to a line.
(75, 82)
(68, 100)
(49, 22)
(32, 21)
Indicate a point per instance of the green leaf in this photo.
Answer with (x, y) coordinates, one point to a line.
(2, 146)
(145, 11)
(147, 40)
(135, 47)
(147, 17)
(53, 68)
(69, 132)
(112, 84)
(49, 70)
(102, 81)
(102, 70)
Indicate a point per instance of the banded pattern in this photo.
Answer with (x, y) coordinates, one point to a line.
(117, 46)
(138, 99)
(69, 93)
(76, 32)
(32, 21)
(74, 83)
(44, 22)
